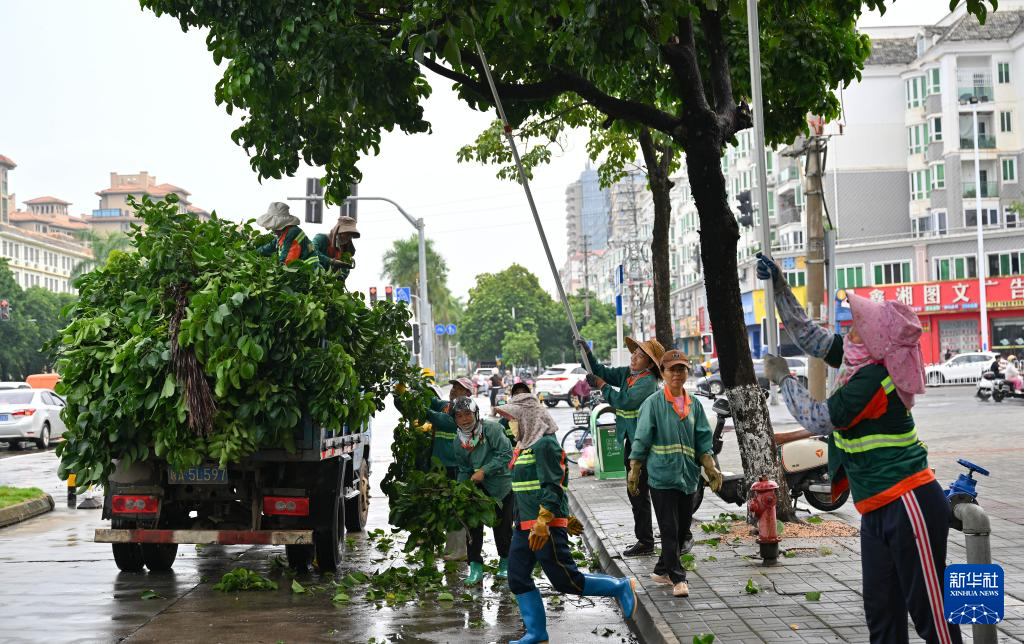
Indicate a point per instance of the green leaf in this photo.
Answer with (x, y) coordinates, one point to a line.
(298, 588)
(813, 596)
(445, 597)
(341, 598)
(168, 389)
(814, 520)
(704, 638)
(151, 594)
(752, 588)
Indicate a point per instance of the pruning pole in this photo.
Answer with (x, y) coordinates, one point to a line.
(533, 206)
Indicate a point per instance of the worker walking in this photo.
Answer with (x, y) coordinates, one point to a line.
(625, 389)
(673, 438)
(875, 452)
(543, 523)
(482, 455)
(291, 243)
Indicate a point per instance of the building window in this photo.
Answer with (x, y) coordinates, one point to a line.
(934, 81)
(849, 276)
(769, 162)
(917, 138)
(989, 217)
(796, 278)
(1009, 169)
(936, 129)
(956, 268)
(920, 184)
(1004, 73)
(915, 88)
(938, 176)
(1005, 124)
(1003, 264)
(892, 273)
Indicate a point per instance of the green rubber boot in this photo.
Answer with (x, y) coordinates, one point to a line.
(476, 574)
(502, 569)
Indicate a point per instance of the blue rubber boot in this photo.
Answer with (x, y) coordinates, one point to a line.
(476, 574)
(502, 569)
(621, 588)
(531, 607)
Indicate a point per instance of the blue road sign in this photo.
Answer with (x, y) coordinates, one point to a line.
(403, 294)
(439, 329)
(451, 329)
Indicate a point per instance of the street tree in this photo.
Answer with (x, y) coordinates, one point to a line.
(36, 316)
(101, 246)
(320, 83)
(520, 347)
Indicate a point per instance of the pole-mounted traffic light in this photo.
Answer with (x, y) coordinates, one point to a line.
(389, 294)
(373, 295)
(5, 310)
(746, 208)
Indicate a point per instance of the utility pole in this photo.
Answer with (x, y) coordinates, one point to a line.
(586, 279)
(815, 250)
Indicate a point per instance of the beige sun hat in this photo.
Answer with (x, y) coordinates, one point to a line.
(278, 216)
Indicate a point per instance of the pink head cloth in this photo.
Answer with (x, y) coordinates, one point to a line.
(891, 332)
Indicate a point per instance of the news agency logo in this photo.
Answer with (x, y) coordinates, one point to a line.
(974, 594)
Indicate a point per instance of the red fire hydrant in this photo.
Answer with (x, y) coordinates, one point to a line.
(762, 506)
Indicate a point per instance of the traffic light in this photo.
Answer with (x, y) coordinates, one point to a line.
(373, 295)
(314, 207)
(707, 344)
(746, 217)
(389, 294)
(5, 310)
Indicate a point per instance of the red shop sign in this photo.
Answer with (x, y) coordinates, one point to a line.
(950, 296)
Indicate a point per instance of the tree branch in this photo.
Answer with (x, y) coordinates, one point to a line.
(721, 81)
(680, 53)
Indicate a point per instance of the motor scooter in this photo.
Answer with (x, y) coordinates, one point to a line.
(804, 461)
(997, 388)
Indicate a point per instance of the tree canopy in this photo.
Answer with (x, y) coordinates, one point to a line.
(35, 318)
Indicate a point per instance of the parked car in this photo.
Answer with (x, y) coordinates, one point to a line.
(798, 366)
(712, 384)
(11, 384)
(557, 380)
(30, 415)
(963, 368)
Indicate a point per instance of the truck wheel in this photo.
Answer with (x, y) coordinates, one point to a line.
(159, 557)
(357, 509)
(329, 515)
(127, 556)
(299, 557)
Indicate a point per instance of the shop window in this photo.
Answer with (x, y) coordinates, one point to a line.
(1008, 334)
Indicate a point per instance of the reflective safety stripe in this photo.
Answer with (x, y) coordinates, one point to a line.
(445, 435)
(627, 413)
(527, 459)
(888, 385)
(875, 441)
(676, 448)
(525, 486)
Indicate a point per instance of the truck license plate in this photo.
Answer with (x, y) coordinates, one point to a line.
(198, 475)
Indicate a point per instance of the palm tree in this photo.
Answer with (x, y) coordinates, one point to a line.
(401, 266)
(102, 246)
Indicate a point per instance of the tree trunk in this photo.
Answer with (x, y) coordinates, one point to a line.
(659, 160)
(719, 233)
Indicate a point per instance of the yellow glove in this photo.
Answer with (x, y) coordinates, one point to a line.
(633, 478)
(714, 476)
(426, 427)
(575, 528)
(539, 532)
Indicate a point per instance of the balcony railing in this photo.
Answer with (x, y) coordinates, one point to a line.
(985, 142)
(788, 174)
(980, 92)
(988, 189)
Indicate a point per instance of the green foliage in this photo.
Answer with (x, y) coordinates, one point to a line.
(752, 588)
(11, 495)
(151, 594)
(241, 579)
(276, 346)
(814, 520)
(102, 246)
(520, 347)
(813, 596)
(35, 317)
(704, 638)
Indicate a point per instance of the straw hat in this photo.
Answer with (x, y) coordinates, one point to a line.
(652, 348)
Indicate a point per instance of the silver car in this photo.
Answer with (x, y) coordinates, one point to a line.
(30, 415)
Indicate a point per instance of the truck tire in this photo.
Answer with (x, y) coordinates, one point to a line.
(329, 515)
(358, 508)
(127, 556)
(159, 557)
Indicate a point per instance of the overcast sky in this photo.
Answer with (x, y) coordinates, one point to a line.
(98, 86)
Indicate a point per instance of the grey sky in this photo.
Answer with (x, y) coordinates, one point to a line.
(98, 86)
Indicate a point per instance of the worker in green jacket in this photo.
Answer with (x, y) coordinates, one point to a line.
(337, 249)
(674, 439)
(482, 455)
(543, 524)
(626, 389)
(291, 244)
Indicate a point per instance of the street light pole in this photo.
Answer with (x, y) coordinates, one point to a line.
(983, 299)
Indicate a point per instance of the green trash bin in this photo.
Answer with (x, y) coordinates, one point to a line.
(610, 464)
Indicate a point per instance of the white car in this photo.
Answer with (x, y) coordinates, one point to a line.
(798, 367)
(13, 384)
(30, 415)
(963, 368)
(557, 381)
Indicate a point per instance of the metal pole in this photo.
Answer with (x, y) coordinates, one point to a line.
(977, 528)
(983, 299)
(620, 278)
(428, 346)
(523, 179)
(753, 37)
(815, 252)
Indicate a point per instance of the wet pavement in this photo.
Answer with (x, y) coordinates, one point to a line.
(56, 585)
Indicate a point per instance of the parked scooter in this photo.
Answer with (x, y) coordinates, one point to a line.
(996, 388)
(804, 461)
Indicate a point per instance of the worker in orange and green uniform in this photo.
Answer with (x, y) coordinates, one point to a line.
(337, 248)
(875, 452)
(543, 523)
(291, 243)
(626, 389)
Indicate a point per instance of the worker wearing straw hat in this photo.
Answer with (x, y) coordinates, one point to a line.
(625, 389)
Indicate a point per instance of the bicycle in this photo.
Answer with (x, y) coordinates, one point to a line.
(578, 437)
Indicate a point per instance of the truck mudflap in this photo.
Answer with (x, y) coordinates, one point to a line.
(223, 537)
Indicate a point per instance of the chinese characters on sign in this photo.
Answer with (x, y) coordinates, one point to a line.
(949, 296)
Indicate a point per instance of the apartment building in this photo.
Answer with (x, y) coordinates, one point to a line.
(115, 215)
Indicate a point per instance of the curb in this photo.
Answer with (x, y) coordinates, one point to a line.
(25, 510)
(649, 623)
